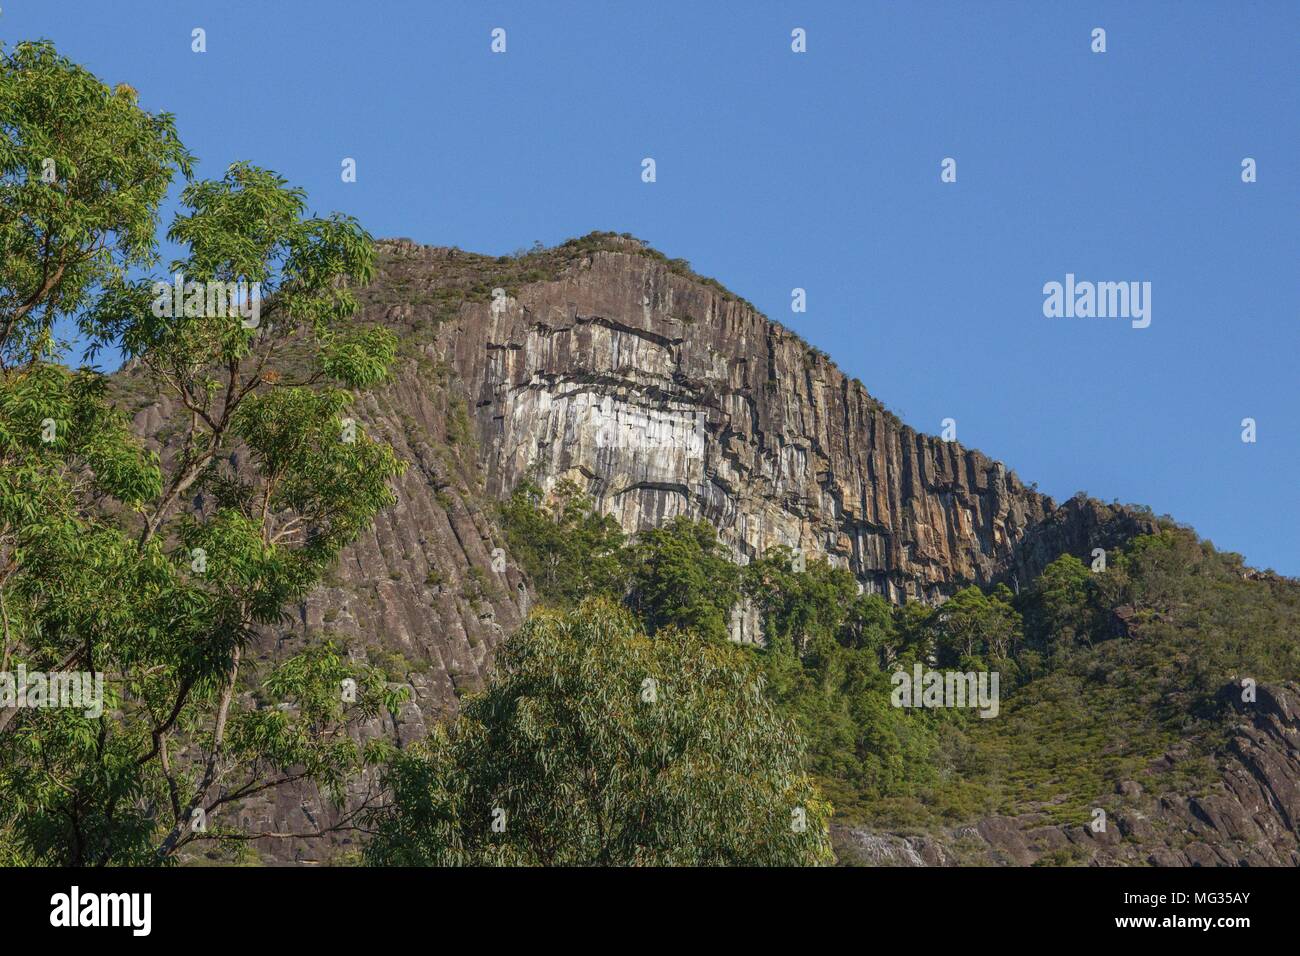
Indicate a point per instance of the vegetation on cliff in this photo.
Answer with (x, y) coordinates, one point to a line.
(1101, 672)
(621, 726)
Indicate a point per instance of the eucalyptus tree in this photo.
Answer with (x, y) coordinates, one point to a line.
(157, 568)
(595, 744)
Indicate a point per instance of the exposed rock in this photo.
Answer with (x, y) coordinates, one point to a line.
(1078, 527)
(418, 594)
(662, 396)
(1123, 621)
(865, 848)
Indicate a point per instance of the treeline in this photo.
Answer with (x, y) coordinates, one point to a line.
(1083, 700)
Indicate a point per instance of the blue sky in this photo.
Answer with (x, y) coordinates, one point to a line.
(820, 170)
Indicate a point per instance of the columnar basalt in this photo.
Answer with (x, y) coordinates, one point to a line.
(662, 395)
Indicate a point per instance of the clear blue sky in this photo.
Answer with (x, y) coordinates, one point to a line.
(821, 170)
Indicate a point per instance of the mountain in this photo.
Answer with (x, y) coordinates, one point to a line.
(660, 393)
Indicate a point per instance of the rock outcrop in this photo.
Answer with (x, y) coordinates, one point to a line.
(1077, 527)
(420, 594)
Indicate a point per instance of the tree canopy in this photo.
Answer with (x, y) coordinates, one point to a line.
(597, 744)
(157, 571)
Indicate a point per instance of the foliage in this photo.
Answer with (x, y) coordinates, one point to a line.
(1085, 702)
(568, 550)
(110, 164)
(677, 575)
(157, 572)
(683, 577)
(596, 744)
(799, 607)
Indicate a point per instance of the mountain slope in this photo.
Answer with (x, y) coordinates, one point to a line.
(1249, 815)
(659, 393)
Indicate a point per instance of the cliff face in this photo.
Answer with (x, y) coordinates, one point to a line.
(421, 593)
(660, 394)
(663, 395)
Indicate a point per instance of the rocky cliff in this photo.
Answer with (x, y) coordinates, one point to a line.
(661, 394)
(427, 593)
